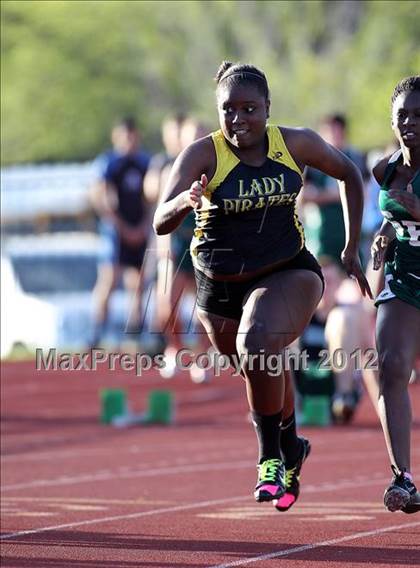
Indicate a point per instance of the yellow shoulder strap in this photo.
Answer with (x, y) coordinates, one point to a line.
(277, 149)
(226, 160)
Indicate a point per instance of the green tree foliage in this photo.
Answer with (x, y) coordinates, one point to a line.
(69, 69)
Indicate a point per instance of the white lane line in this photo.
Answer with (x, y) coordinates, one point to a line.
(144, 471)
(131, 448)
(176, 508)
(106, 476)
(345, 484)
(150, 470)
(315, 545)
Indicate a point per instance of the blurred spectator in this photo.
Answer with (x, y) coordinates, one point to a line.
(344, 316)
(176, 276)
(348, 338)
(153, 185)
(125, 220)
(171, 138)
(340, 326)
(322, 190)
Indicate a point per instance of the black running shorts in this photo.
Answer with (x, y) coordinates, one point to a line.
(226, 298)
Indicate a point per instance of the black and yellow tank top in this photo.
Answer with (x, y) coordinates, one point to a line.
(248, 216)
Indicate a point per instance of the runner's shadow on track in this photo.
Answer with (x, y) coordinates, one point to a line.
(233, 550)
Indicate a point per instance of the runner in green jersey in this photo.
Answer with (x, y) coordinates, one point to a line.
(402, 272)
(398, 320)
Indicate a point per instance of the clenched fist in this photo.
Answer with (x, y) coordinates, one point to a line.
(196, 191)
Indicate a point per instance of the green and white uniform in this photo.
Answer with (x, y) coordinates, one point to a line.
(402, 272)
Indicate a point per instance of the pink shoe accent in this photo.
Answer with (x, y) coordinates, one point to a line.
(272, 489)
(408, 476)
(286, 501)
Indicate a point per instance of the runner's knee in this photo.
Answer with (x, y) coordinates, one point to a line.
(256, 340)
(394, 369)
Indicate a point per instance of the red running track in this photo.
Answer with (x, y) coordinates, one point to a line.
(78, 493)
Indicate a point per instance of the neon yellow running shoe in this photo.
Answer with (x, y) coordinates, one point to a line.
(271, 480)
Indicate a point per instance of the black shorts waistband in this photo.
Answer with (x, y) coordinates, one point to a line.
(226, 298)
